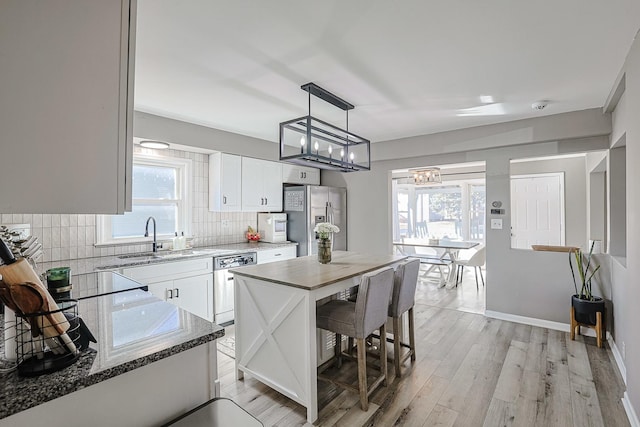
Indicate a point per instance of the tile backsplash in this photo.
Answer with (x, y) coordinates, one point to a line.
(73, 236)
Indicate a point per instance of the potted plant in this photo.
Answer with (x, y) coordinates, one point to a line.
(584, 303)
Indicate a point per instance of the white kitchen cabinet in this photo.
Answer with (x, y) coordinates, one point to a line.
(273, 255)
(294, 174)
(66, 110)
(225, 179)
(261, 185)
(187, 284)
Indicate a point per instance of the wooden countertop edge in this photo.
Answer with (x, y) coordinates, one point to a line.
(312, 288)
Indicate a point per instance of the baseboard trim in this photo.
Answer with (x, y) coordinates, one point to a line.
(619, 360)
(558, 326)
(631, 413)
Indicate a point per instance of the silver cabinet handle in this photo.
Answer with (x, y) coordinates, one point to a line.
(277, 254)
(169, 293)
(224, 200)
(266, 201)
(177, 292)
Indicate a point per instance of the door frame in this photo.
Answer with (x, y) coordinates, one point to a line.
(563, 213)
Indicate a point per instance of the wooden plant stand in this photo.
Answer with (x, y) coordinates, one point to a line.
(598, 327)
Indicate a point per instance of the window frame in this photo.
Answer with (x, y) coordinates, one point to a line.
(184, 184)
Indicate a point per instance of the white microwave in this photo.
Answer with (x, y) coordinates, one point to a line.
(272, 227)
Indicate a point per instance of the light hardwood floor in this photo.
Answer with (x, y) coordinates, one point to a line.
(470, 371)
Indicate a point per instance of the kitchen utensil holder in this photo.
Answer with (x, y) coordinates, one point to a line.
(41, 355)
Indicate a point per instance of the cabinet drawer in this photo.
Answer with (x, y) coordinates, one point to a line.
(169, 270)
(278, 254)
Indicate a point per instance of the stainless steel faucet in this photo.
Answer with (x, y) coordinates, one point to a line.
(146, 233)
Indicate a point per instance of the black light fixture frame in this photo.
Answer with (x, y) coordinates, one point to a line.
(329, 133)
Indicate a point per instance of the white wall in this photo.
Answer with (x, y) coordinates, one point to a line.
(626, 290)
(515, 284)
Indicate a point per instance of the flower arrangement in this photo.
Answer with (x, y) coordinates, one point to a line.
(324, 230)
(252, 235)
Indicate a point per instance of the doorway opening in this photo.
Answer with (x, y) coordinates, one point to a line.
(443, 224)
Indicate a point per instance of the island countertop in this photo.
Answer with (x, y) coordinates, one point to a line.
(309, 274)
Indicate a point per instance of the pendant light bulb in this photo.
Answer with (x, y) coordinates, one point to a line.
(303, 141)
(352, 156)
(316, 146)
(342, 153)
(330, 150)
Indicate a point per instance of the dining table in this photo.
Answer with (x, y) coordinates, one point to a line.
(451, 249)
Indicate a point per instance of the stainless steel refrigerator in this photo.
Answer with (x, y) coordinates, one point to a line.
(307, 205)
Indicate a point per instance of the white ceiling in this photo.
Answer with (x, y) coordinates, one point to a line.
(410, 67)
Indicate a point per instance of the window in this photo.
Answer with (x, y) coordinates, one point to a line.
(454, 210)
(161, 188)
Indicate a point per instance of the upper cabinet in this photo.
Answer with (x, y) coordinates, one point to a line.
(66, 108)
(294, 174)
(224, 182)
(261, 185)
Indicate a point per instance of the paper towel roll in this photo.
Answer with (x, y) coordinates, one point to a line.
(9, 334)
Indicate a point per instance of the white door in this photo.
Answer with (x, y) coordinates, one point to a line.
(537, 210)
(272, 182)
(252, 185)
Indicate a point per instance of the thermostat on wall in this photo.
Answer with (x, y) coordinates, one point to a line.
(497, 211)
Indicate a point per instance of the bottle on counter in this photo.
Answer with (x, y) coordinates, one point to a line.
(183, 241)
(174, 241)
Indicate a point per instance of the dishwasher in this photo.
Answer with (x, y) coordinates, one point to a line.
(223, 292)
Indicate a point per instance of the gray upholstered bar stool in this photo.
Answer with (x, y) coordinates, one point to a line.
(403, 299)
(359, 320)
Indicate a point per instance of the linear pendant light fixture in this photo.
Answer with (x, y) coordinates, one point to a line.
(312, 142)
(425, 176)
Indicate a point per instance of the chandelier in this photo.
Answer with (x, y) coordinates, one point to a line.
(312, 142)
(425, 176)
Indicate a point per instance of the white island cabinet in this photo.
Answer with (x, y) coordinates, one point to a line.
(275, 309)
(66, 107)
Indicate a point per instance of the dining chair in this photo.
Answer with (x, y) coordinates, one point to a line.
(403, 299)
(477, 260)
(359, 320)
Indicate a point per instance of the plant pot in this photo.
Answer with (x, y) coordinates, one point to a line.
(585, 310)
(324, 251)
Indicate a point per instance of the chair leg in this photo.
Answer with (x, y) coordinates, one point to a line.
(480, 270)
(475, 270)
(338, 351)
(350, 346)
(412, 336)
(383, 355)
(362, 374)
(396, 345)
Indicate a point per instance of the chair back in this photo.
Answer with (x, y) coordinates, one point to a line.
(479, 258)
(372, 303)
(405, 280)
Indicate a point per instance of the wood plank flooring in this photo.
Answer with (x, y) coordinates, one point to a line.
(470, 371)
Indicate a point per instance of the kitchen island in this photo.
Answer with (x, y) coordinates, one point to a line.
(275, 306)
(152, 362)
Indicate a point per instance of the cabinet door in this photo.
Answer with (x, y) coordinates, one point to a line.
(272, 184)
(195, 294)
(293, 174)
(252, 185)
(225, 179)
(66, 109)
(160, 290)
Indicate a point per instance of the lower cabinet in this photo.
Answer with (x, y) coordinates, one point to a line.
(187, 284)
(278, 254)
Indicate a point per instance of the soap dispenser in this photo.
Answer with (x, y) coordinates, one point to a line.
(174, 241)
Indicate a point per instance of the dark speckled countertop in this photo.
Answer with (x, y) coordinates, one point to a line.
(133, 329)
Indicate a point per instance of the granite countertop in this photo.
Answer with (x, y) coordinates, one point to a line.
(88, 265)
(307, 273)
(133, 329)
